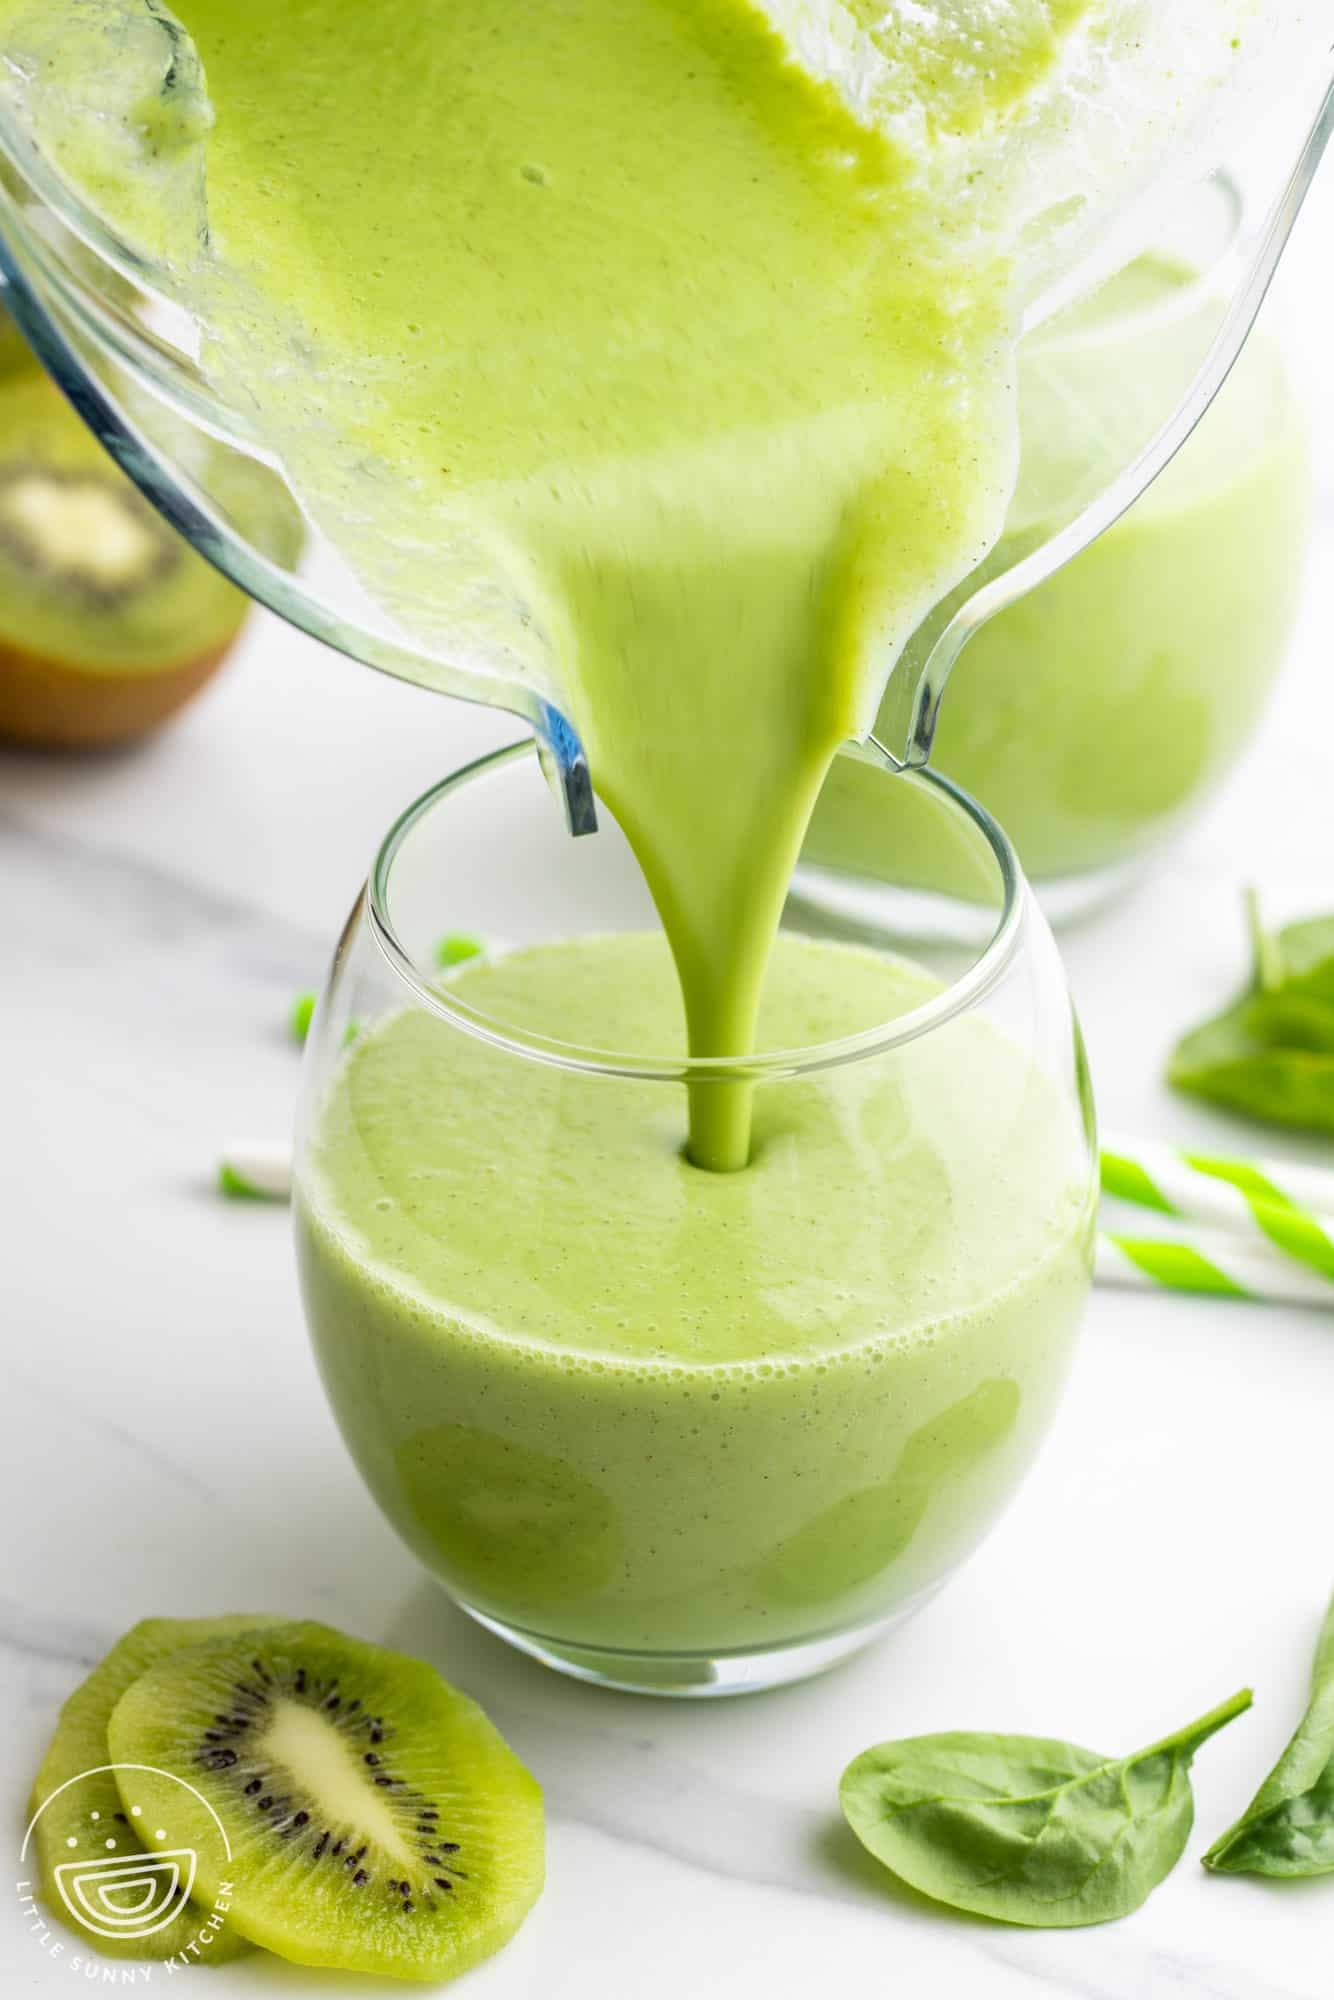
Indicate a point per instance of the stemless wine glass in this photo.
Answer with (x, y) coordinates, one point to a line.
(1096, 713)
(667, 1430)
(1093, 716)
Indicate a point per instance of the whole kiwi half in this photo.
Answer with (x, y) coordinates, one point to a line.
(109, 621)
(374, 1820)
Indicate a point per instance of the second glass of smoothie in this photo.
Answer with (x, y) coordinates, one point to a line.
(1094, 715)
(667, 1429)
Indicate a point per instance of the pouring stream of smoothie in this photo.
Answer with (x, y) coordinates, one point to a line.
(687, 359)
(614, 305)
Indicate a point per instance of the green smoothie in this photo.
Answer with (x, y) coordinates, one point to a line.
(608, 1396)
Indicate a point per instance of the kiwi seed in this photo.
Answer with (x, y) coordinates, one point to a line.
(241, 1734)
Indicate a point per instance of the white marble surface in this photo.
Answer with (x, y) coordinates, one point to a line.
(164, 1447)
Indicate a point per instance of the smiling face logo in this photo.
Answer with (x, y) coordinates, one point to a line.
(114, 1870)
(126, 1895)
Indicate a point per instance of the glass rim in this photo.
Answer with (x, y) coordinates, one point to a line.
(960, 996)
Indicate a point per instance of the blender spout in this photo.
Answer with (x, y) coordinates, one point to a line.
(565, 766)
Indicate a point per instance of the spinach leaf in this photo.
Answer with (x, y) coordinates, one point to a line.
(1291, 1020)
(1288, 1828)
(1270, 1055)
(1025, 1829)
(1307, 958)
(1279, 1086)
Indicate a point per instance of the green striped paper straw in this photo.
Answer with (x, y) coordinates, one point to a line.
(299, 1016)
(1210, 1263)
(256, 1170)
(1260, 1203)
(1183, 1183)
(457, 947)
(454, 949)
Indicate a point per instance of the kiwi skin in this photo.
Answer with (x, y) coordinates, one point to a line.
(80, 1745)
(47, 706)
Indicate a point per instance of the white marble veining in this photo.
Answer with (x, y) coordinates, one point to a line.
(164, 1446)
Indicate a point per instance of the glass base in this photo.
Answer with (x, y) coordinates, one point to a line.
(697, 1676)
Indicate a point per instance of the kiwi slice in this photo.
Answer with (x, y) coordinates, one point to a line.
(90, 1813)
(376, 1820)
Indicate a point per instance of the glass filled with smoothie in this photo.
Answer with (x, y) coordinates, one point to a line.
(664, 1427)
(1094, 715)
